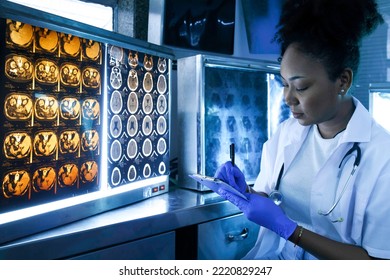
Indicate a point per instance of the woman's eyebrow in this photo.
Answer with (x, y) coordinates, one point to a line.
(294, 77)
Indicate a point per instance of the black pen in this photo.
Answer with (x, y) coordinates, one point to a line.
(232, 153)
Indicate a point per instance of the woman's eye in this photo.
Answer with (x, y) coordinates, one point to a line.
(301, 89)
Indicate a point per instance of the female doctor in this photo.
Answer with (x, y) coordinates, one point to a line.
(324, 186)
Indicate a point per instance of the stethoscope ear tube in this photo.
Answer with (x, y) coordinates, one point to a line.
(279, 178)
(356, 148)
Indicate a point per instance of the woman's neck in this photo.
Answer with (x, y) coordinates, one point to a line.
(330, 129)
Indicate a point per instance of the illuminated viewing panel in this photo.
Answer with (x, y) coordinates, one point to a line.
(138, 121)
(82, 120)
(98, 15)
(52, 96)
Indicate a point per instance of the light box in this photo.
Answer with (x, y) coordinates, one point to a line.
(85, 121)
(223, 101)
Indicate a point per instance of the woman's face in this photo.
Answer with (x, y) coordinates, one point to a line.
(312, 97)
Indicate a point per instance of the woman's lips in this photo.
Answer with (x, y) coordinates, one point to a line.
(297, 115)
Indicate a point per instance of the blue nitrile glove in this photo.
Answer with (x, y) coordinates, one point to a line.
(232, 175)
(262, 211)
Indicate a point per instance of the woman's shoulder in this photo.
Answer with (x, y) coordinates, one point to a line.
(377, 147)
(379, 134)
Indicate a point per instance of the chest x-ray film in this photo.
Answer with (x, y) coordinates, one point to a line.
(225, 102)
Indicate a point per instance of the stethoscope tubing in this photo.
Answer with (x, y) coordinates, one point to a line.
(277, 196)
(323, 213)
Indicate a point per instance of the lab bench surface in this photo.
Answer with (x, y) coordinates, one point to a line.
(175, 211)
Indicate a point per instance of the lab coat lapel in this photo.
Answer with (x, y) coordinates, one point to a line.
(359, 126)
(359, 131)
(291, 149)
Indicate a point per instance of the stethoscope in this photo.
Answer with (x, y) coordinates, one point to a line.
(277, 196)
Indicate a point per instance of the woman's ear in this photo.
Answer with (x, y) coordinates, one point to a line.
(345, 80)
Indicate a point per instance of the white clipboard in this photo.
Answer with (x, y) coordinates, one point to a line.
(215, 184)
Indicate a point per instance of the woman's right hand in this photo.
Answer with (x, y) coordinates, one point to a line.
(232, 175)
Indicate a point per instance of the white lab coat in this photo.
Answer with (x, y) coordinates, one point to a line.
(365, 205)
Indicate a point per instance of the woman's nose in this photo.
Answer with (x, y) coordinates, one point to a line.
(289, 97)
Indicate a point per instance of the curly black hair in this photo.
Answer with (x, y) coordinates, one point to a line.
(328, 30)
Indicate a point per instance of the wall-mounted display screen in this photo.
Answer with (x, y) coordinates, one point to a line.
(261, 19)
(205, 25)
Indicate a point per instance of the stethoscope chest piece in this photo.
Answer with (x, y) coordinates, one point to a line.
(276, 196)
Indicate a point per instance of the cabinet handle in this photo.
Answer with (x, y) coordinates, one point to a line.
(238, 237)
